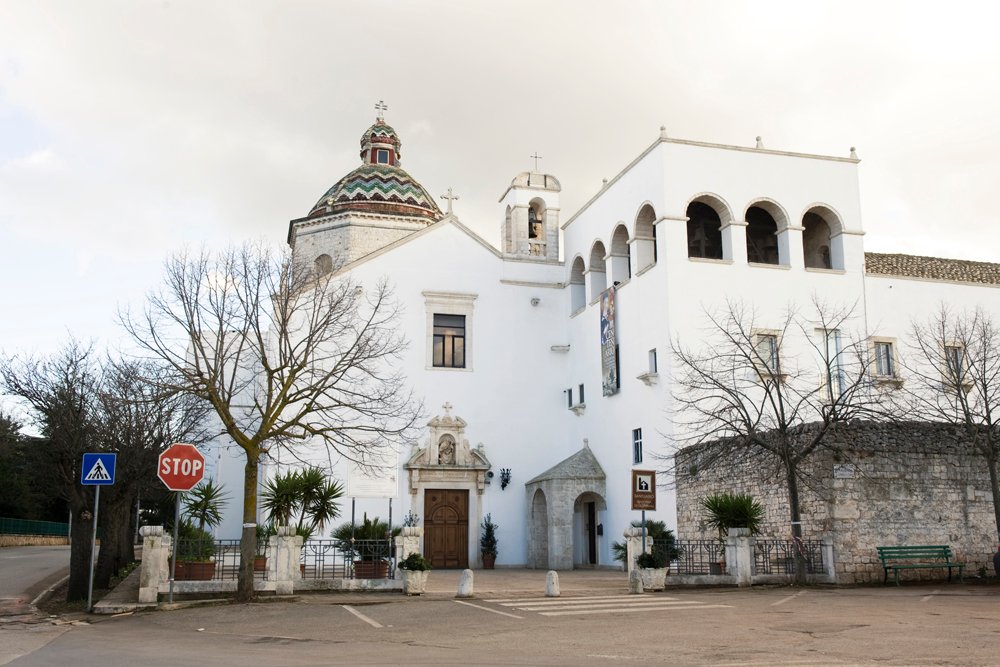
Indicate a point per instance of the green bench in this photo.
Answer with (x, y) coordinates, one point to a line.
(916, 558)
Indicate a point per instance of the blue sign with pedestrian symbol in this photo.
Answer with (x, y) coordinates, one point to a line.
(98, 469)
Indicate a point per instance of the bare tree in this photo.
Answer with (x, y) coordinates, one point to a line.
(745, 395)
(953, 376)
(61, 391)
(286, 357)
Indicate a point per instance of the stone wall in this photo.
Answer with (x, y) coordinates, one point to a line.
(876, 485)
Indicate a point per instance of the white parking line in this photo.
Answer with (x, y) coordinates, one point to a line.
(928, 597)
(589, 597)
(492, 611)
(790, 597)
(631, 610)
(522, 604)
(616, 605)
(369, 621)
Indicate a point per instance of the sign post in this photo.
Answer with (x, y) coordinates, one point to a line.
(98, 469)
(644, 496)
(180, 468)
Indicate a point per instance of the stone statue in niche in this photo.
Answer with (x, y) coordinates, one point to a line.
(446, 451)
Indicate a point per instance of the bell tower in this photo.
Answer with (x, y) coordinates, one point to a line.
(531, 221)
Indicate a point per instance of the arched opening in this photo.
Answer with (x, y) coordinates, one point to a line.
(621, 263)
(597, 272)
(588, 517)
(822, 239)
(539, 555)
(762, 236)
(704, 231)
(645, 237)
(324, 265)
(536, 227)
(577, 285)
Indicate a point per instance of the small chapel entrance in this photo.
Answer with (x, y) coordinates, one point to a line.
(446, 528)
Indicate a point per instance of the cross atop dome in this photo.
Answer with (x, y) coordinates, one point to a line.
(381, 107)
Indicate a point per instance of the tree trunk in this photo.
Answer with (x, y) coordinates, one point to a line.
(115, 526)
(80, 540)
(793, 507)
(248, 538)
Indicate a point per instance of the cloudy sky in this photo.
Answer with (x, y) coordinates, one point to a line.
(132, 129)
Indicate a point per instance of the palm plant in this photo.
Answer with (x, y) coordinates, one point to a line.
(305, 499)
(732, 510)
(203, 504)
(664, 542)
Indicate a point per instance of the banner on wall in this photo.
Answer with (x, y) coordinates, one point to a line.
(609, 344)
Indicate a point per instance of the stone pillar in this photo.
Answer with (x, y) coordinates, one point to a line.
(408, 542)
(283, 552)
(739, 556)
(828, 562)
(155, 567)
(633, 546)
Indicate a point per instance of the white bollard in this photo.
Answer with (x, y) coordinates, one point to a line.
(635, 582)
(552, 584)
(465, 585)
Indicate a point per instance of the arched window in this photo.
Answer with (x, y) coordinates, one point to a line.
(577, 286)
(621, 264)
(822, 240)
(324, 265)
(704, 231)
(762, 236)
(536, 227)
(598, 276)
(645, 237)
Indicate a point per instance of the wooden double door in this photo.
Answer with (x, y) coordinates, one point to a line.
(446, 528)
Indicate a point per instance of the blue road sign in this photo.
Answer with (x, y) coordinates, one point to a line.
(98, 469)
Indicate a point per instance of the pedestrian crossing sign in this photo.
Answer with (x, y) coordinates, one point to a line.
(98, 469)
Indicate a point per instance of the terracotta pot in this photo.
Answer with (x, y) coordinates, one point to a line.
(194, 571)
(371, 569)
(260, 563)
(489, 560)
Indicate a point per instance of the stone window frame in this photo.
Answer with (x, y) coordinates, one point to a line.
(449, 303)
(893, 379)
(756, 336)
(637, 446)
(946, 381)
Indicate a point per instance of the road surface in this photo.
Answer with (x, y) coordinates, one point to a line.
(27, 571)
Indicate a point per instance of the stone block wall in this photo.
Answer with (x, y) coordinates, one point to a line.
(876, 485)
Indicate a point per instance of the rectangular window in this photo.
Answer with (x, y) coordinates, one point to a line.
(569, 397)
(652, 360)
(580, 392)
(954, 357)
(836, 381)
(636, 446)
(382, 156)
(449, 341)
(767, 352)
(884, 362)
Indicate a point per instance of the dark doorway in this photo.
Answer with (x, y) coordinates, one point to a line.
(446, 528)
(591, 533)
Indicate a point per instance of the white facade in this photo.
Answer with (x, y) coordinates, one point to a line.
(532, 322)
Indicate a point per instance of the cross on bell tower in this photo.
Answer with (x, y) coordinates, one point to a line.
(536, 157)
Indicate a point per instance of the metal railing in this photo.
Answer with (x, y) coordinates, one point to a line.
(210, 560)
(778, 556)
(697, 557)
(346, 559)
(32, 527)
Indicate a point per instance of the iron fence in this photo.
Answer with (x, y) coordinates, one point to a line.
(204, 559)
(695, 556)
(348, 559)
(778, 556)
(31, 527)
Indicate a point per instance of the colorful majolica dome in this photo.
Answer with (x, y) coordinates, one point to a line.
(379, 185)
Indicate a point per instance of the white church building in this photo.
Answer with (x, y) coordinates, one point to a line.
(544, 364)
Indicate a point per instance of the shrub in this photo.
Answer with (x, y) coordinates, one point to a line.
(732, 510)
(415, 562)
(655, 559)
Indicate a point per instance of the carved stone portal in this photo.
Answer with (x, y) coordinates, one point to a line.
(447, 460)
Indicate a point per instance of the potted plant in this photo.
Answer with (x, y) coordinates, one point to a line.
(731, 510)
(414, 569)
(264, 532)
(196, 546)
(663, 539)
(652, 569)
(368, 544)
(488, 542)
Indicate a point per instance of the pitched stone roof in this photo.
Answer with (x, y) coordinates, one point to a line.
(932, 268)
(582, 465)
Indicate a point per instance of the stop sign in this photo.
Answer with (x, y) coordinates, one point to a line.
(181, 467)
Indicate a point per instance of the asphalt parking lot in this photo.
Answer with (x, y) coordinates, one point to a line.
(588, 625)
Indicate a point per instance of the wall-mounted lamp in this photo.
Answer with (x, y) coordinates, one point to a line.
(535, 301)
(489, 476)
(504, 478)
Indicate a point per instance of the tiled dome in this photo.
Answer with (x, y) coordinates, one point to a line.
(379, 185)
